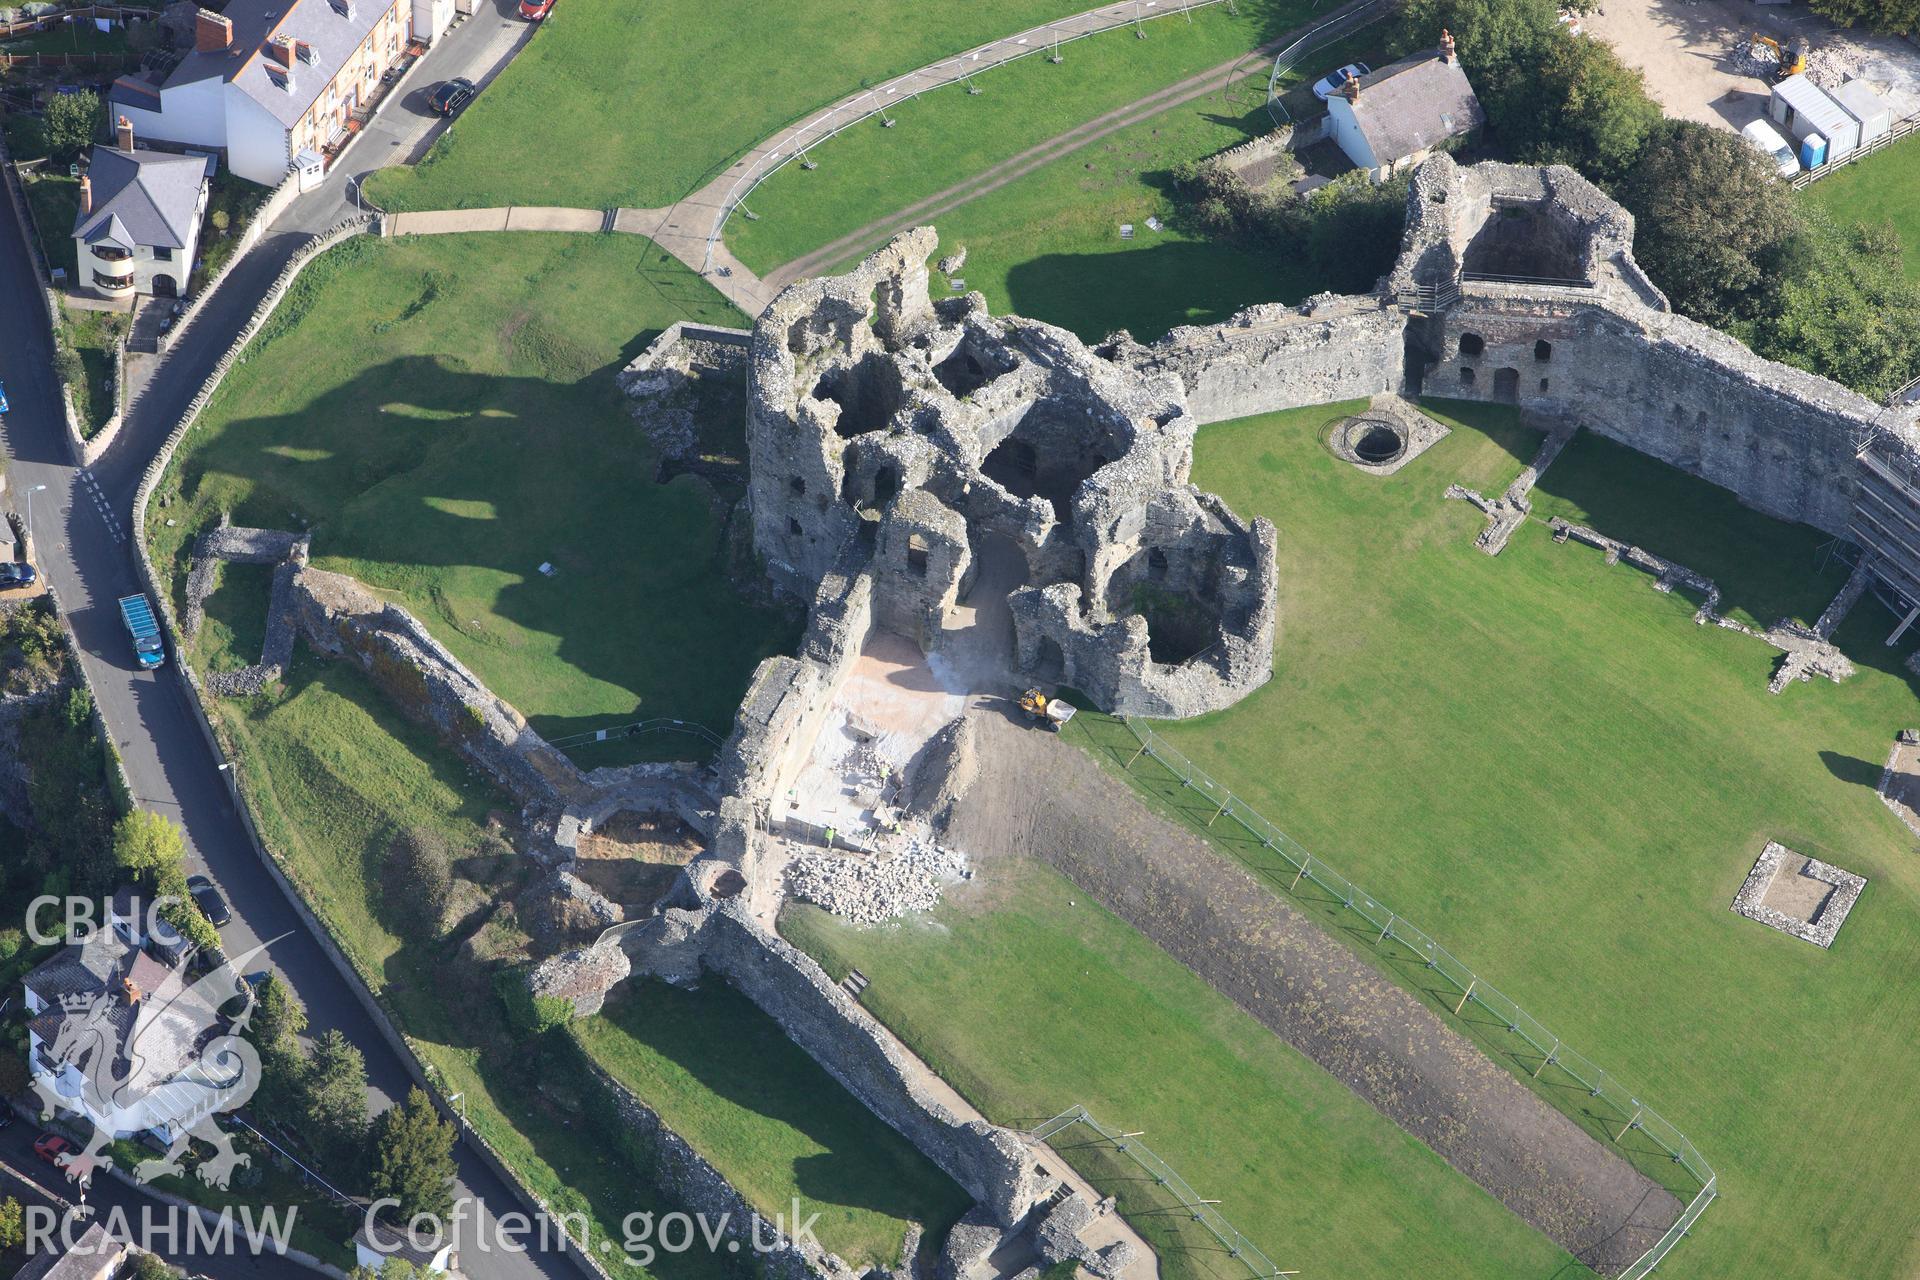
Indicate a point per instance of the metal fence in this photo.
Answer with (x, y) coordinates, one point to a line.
(638, 729)
(1904, 128)
(1629, 1115)
(1200, 1210)
(1338, 27)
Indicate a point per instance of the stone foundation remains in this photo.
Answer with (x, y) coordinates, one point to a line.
(1798, 895)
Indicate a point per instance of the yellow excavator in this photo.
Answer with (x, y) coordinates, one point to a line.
(1051, 712)
(1789, 60)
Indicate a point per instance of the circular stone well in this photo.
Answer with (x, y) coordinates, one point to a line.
(1370, 442)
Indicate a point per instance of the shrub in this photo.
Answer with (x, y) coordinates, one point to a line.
(529, 1014)
(419, 874)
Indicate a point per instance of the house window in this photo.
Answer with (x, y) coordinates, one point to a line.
(1472, 344)
(161, 253)
(1543, 350)
(916, 555)
(1466, 376)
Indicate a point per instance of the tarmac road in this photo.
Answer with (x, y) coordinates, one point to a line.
(80, 525)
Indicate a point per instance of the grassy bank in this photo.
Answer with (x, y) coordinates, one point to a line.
(442, 413)
(946, 137)
(723, 1075)
(1545, 764)
(1028, 998)
(1879, 189)
(690, 92)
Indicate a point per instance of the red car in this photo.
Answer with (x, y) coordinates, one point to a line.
(534, 10)
(51, 1146)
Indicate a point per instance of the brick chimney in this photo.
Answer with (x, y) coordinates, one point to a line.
(280, 49)
(1351, 89)
(86, 195)
(123, 134)
(1446, 45)
(212, 32)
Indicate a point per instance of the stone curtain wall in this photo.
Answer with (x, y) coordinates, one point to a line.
(1780, 439)
(1270, 357)
(990, 1163)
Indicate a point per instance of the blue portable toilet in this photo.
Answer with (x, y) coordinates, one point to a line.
(1813, 151)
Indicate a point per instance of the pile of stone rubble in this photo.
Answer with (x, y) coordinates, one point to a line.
(875, 888)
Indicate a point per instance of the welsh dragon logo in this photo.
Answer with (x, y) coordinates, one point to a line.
(132, 1060)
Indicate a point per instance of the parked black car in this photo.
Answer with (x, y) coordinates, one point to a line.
(208, 899)
(452, 95)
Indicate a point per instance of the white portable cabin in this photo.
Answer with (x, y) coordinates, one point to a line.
(1861, 101)
(1803, 108)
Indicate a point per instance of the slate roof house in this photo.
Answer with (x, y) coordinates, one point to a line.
(1393, 118)
(139, 221)
(147, 1002)
(269, 81)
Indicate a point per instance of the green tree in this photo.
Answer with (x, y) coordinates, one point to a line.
(1901, 17)
(278, 1019)
(72, 120)
(1500, 42)
(149, 1266)
(1581, 106)
(150, 847)
(13, 1228)
(1843, 308)
(419, 875)
(1711, 220)
(332, 1099)
(413, 1158)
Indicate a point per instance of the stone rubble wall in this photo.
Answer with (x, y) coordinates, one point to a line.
(1269, 358)
(689, 1180)
(990, 1163)
(342, 619)
(661, 381)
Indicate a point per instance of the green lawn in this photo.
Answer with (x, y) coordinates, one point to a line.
(620, 103)
(724, 1076)
(442, 411)
(1028, 998)
(1877, 189)
(93, 335)
(1547, 766)
(55, 202)
(69, 37)
(946, 137)
(330, 773)
(1047, 245)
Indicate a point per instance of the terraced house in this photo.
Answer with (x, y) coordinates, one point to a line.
(271, 84)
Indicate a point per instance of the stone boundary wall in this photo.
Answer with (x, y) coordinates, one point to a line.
(690, 1181)
(989, 1162)
(283, 195)
(357, 983)
(22, 213)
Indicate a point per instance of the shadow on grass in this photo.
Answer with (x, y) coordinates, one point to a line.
(452, 488)
(730, 1048)
(1150, 290)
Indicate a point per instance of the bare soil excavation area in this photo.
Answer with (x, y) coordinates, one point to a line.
(1036, 795)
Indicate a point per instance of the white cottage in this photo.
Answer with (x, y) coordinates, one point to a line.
(1393, 118)
(139, 222)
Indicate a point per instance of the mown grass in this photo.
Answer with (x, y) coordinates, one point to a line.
(616, 103)
(1879, 189)
(1047, 245)
(946, 137)
(725, 1077)
(1029, 998)
(93, 336)
(1546, 765)
(442, 412)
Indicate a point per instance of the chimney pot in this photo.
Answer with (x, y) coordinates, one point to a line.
(212, 32)
(123, 133)
(86, 195)
(1351, 89)
(1446, 45)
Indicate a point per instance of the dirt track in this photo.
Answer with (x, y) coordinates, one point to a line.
(1038, 796)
